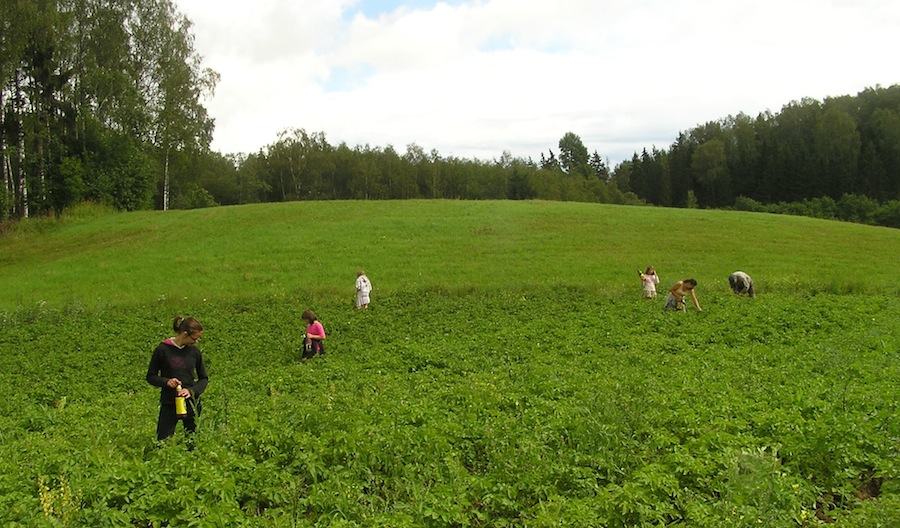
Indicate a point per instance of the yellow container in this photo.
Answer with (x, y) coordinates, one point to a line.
(180, 407)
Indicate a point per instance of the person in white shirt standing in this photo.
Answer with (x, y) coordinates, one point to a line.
(363, 287)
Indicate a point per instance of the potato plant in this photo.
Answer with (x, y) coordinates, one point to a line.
(552, 407)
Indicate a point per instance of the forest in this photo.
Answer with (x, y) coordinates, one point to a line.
(103, 101)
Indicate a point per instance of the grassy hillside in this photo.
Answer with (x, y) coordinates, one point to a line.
(316, 247)
(507, 374)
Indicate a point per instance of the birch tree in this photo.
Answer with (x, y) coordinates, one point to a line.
(172, 84)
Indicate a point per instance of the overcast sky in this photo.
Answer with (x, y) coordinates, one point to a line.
(474, 78)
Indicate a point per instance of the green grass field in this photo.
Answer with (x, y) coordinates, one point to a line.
(507, 374)
(313, 249)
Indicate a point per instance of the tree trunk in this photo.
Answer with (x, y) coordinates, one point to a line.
(5, 169)
(20, 196)
(23, 189)
(165, 203)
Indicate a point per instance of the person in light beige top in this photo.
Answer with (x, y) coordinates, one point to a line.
(677, 293)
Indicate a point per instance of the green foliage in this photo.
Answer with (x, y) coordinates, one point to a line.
(84, 211)
(850, 208)
(133, 183)
(691, 202)
(304, 166)
(842, 149)
(503, 410)
(313, 249)
(105, 106)
(70, 187)
(504, 376)
(194, 197)
(93, 94)
(888, 214)
(573, 155)
(709, 162)
(742, 203)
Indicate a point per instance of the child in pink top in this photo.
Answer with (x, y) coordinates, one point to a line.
(649, 280)
(315, 335)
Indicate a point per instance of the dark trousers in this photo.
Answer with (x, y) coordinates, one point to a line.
(165, 426)
(313, 348)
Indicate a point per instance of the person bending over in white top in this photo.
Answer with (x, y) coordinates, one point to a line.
(741, 284)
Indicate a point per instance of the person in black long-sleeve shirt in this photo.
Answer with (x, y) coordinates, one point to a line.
(174, 363)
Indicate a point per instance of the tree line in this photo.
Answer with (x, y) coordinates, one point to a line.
(809, 160)
(98, 98)
(102, 100)
(843, 151)
(305, 166)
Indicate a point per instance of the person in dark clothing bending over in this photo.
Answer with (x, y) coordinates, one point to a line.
(173, 364)
(741, 284)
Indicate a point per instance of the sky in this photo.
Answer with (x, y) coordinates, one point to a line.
(477, 78)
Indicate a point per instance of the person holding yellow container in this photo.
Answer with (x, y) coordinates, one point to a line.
(649, 280)
(173, 365)
(678, 292)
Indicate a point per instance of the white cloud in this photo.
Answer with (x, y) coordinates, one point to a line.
(475, 78)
